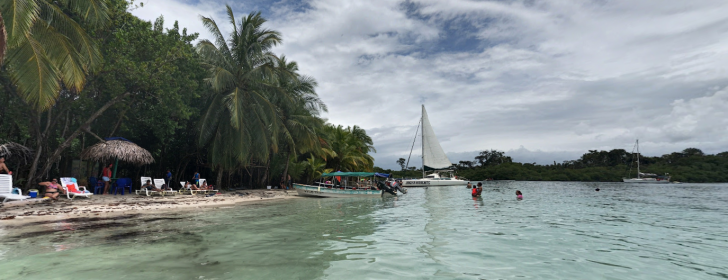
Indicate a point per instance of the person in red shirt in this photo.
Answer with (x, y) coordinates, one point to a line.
(106, 175)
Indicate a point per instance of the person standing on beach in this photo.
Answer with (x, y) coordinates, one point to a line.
(106, 176)
(168, 177)
(196, 178)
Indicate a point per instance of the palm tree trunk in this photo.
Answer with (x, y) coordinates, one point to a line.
(218, 180)
(285, 170)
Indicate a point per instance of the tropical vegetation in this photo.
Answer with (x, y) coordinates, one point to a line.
(689, 165)
(76, 72)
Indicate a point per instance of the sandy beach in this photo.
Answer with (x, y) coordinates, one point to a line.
(17, 213)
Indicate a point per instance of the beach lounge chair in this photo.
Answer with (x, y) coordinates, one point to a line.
(202, 182)
(159, 183)
(145, 190)
(6, 189)
(72, 189)
(184, 190)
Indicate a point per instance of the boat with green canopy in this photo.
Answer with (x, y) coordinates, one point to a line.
(349, 184)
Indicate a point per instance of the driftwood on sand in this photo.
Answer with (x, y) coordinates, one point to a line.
(117, 149)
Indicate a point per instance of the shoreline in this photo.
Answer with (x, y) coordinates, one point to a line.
(108, 206)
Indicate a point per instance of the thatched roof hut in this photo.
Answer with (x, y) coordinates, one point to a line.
(15, 152)
(117, 148)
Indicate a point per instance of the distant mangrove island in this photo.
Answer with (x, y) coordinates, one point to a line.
(689, 165)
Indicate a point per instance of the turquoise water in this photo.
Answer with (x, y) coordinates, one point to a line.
(559, 231)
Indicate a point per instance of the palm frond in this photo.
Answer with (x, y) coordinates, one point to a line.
(34, 74)
(95, 12)
(19, 18)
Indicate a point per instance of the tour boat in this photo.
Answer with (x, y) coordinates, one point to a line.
(350, 184)
(650, 178)
(434, 161)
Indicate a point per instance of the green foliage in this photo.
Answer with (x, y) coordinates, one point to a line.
(690, 165)
(49, 48)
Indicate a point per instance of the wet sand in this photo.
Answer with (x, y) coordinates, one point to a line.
(15, 213)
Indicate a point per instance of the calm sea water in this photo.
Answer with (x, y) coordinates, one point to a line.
(559, 231)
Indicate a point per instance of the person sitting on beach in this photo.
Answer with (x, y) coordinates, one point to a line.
(4, 168)
(52, 189)
(150, 187)
(193, 187)
(519, 195)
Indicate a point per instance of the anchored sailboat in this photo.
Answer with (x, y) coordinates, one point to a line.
(645, 177)
(434, 160)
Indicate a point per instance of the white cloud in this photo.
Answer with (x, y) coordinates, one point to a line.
(558, 77)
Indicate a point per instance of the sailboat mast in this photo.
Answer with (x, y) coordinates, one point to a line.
(638, 158)
(423, 140)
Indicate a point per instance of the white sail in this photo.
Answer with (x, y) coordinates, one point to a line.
(433, 157)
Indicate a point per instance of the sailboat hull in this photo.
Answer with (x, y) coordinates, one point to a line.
(645, 181)
(431, 183)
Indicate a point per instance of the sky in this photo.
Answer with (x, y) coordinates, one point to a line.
(543, 80)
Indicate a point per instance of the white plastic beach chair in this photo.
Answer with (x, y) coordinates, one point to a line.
(79, 192)
(202, 182)
(141, 190)
(145, 190)
(6, 189)
(159, 183)
(191, 191)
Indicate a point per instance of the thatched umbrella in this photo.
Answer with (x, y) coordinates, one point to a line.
(117, 148)
(16, 151)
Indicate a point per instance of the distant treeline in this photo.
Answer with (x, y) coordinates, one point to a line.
(690, 165)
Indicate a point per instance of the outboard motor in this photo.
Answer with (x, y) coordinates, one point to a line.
(386, 188)
(398, 186)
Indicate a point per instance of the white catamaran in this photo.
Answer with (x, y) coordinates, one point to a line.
(434, 160)
(645, 177)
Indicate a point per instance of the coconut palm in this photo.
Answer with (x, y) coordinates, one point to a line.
(299, 109)
(47, 50)
(348, 148)
(241, 123)
(315, 167)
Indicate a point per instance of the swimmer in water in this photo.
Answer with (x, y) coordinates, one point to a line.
(597, 189)
(519, 195)
(469, 185)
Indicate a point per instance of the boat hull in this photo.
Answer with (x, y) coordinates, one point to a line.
(432, 183)
(645, 181)
(306, 190)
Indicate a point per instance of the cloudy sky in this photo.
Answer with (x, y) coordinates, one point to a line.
(542, 80)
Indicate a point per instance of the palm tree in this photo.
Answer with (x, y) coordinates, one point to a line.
(241, 123)
(315, 167)
(299, 110)
(348, 148)
(47, 50)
